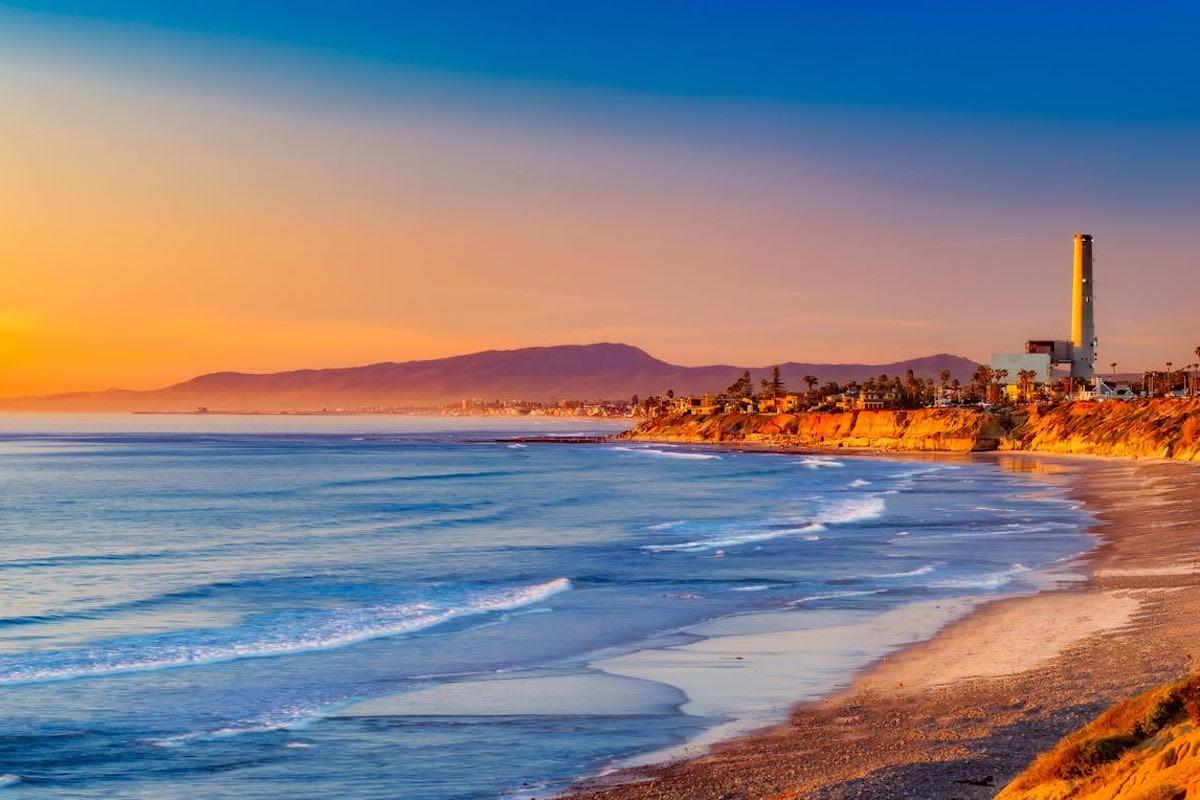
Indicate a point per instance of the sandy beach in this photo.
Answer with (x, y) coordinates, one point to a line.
(958, 715)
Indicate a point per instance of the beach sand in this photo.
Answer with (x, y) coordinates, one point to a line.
(960, 714)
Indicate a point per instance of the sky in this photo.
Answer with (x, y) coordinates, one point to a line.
(199, 186)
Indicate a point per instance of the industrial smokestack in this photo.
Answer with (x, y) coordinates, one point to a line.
(1083, 326)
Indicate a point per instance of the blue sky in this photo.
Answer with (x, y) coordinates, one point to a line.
(1072, 60)
(268, 185)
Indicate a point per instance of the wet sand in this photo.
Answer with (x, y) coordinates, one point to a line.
(960, 714)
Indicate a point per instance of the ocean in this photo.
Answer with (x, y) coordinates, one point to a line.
(402, 607)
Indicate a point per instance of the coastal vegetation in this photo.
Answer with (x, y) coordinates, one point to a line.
(1145, 748)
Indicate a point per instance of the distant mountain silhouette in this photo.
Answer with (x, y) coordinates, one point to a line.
(593, 371)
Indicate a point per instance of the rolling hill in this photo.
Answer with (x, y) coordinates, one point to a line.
(594, 371)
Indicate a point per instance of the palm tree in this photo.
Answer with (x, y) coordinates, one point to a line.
(1197, 352)
(1026, 381)
(811, 380)
(998, 378)
(980, 381)
(1114, 369)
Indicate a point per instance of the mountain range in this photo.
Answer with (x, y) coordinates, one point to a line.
(594, 371)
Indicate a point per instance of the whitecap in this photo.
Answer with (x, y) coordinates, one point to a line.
(651, 451)
(856, 509)
(818, 462)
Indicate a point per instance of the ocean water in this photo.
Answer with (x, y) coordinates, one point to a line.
(222, 607)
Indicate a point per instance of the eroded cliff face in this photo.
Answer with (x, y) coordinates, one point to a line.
(929, 429)
(1146, 748)
(1158, 429)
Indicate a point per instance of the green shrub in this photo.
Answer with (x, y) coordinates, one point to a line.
(1094, 752)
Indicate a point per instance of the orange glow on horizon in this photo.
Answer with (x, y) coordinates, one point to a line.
(152, 233)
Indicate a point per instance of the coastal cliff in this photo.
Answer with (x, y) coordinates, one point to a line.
(1146, 748)
(1165, 428)
(928, 429)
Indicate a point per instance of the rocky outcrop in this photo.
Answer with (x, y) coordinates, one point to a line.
(1156, 429)
(1146, 748)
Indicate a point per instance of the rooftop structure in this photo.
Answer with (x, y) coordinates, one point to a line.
(1079, 352)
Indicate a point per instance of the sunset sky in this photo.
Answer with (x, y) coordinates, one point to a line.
(197, 186)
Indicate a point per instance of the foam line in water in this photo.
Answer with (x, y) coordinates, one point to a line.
(912, 573)
(812, 598)
(991, 580)
(700, 545)
(331, 630)
(651, 451)
(840, 512)
(292, 718)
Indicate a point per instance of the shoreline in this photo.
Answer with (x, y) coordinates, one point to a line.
(1009, 683)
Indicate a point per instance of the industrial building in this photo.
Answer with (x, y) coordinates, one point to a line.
(1078, 354)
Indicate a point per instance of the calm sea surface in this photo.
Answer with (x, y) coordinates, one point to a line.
(189, 604)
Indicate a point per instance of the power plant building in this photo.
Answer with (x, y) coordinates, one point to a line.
(1078, 353)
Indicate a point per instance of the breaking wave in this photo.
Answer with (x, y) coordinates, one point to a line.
(836, 513)
(812, 598)
(818, 462)
(991, 580)
(323, 631)
(651, 451)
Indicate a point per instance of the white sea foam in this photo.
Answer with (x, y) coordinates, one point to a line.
(289, 718)
(651, 451)
(991, 580)
(912, 573)
(337, 629)
(817, 462)
(839, 512)
(858, 482)
(665, 526)
(853, 510)
(732, 540)
(9, 779)
(835, 596)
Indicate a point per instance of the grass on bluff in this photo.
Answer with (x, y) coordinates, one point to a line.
(1114, 733)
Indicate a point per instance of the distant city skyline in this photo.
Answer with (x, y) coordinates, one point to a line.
(267, 186)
